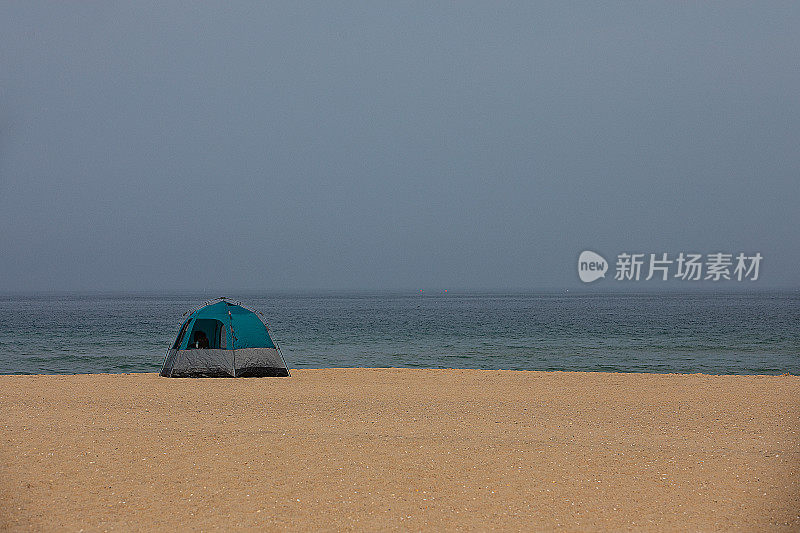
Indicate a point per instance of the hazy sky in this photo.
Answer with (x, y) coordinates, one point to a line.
(400, 145)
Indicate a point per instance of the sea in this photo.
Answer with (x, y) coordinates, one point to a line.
(704, 332)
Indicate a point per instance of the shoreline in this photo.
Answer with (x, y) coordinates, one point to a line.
(411, 448)
(334, 368)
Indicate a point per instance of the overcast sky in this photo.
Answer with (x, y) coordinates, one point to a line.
(401, 145)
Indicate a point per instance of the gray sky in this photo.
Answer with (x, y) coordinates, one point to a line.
(462, 145)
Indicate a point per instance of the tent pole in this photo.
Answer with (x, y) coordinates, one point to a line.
(180, 330)
(281, 354)
(262, 318)
(233, 344)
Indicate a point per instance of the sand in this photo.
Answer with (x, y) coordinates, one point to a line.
(367, 449)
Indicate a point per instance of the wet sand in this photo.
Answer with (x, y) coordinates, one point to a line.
(366, 449)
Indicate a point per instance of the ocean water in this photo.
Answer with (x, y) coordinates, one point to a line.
(753, 333)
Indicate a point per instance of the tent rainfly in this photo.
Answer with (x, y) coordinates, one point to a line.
(223, 339)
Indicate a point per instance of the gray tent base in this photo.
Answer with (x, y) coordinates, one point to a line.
(245, 362)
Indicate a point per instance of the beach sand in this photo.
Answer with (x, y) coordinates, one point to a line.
(366, 449)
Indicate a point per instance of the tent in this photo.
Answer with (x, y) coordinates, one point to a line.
(223, 338)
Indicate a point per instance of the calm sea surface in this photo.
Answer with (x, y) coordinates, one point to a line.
(710, 333)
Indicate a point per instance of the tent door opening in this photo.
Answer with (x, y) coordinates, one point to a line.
(208, 333)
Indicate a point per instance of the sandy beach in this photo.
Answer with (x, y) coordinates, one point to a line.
(366, 449)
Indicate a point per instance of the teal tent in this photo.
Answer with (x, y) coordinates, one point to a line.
(223, 338)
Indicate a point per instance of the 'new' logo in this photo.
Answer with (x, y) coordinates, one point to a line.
(591, 266)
